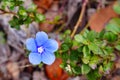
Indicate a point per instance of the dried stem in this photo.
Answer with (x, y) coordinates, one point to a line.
(6, 12)
(80, 18)
(25, 66)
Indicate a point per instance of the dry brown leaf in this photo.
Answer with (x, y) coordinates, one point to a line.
(54, 72)
(39, 75)
(1, 75)
(43, 5)
(116, 78)
(117, 64)
(46, 27)
(99, 19)
(50, 15)
(13, 69)
(50, 8)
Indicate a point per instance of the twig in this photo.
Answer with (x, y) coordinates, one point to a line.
(6, 12)
(25, 66)
(80, 18)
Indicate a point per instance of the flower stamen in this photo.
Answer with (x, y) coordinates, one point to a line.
(40, 49)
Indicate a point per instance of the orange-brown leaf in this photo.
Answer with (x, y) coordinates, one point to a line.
(54, 72)
(43, 4)
(99, 19)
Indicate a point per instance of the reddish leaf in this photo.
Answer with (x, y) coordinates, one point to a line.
(54, 72)
(50, 15)
(99, 19)
(64, 76)
(43, 4)
(46, 27)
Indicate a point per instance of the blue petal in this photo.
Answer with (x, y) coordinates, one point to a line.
(31, 45)
(48, 58)
(41, 38)
(35, 58)
(51, 45)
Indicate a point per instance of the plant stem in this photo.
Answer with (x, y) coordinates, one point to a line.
(6, 12)
(25, 66)
(80, 18)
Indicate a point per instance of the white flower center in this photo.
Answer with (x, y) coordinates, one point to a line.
(40, 49)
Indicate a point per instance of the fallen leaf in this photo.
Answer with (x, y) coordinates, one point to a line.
(46, 27)
(54, 72)
(39, 75)
(117, 64)
(13, 69)
(64, 76)
(43, 5)
(98, 20)
(116, 78)
(50, 15)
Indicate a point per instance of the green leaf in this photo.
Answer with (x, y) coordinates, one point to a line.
(40, 17)
(101, 69)
(101, 34)
(18, 2)
(94, 61)
(112, 57)
(80, 49)
(74, 55)
(28, 20)
(22, 12)
(86, 51)
(15, 23)
(79, 38)
(67, 32)
(32, 8)
(95, 49)
(91, 36)
(57, 54)
(77, 70)
(57, 18)
(116, 20)
(63, 65)
(86, 59)
(93, 75)
(65, 56)
(85, 69)
(86, 33)
(113, 26)
(107, 66)
(86, 55)
(75, 43)
(12, 7)
(110, 36)
(68, 40)
(64, 47)
(116, 7)
(107, 51)
(117, 47)
(40, 65)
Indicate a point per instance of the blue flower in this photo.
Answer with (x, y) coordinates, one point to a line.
(42, 49)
